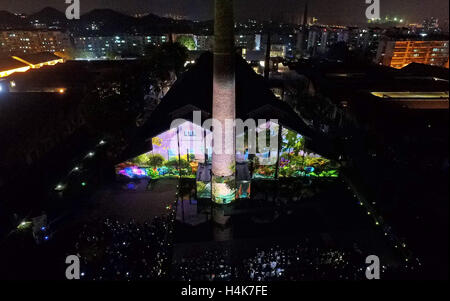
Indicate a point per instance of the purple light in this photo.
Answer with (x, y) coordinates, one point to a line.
(133, 172)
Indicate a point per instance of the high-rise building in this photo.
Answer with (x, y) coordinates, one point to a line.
(430, 25)
(14, 42)
(204, 42)
(101, 46)
(399, 53)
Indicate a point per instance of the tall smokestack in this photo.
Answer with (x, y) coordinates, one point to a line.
(305, 15)
(267, 60)
(224, 104)
(303, 35)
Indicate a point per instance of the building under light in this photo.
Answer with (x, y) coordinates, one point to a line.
(23, 63)
(399, 53)
(9, 66)
(17, 42)
(39, 60)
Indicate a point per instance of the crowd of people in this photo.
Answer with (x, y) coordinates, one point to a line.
(302, 263)
(114, 250)
(276, 263)
(210, 266)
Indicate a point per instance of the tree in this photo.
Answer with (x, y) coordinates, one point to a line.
(174, 164)
(169, 57)
(141, 160)
(155, 160)
(188, 42)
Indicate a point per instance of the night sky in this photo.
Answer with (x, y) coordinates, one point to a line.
(327, 11)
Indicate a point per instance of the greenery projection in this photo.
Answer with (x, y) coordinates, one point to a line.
(224, 189)
(296, 161)
(155, 166)
(203, 190)
(167, 160)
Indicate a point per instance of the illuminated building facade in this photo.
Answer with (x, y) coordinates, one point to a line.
(398, 54)
(102, 46)
(15, 42)
(204, 42)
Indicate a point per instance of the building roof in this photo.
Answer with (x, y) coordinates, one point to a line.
(194, 91)
(38, 58)
(426, 70)
(342, 81)
(10, 64)
(412, 95)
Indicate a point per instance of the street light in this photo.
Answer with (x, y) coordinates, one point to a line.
(59, 187)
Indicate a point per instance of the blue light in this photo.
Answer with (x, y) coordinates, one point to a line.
(43, 228)
(45, 237)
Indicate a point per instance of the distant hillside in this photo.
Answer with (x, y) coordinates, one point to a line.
(9, 20)
(104, 22)
(49, 16)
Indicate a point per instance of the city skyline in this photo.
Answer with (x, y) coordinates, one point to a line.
(283, 10)
(224, 141)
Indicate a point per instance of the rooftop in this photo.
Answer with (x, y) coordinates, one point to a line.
(10, 64)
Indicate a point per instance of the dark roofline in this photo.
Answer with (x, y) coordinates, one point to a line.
(10, 64)
(194, 90)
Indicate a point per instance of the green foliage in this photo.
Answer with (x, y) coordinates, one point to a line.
(187, 41)
(152, 173)
(294, 141)
(203, 189)
(155, 160)
(141, 160)
(265, 171)
(175, 164)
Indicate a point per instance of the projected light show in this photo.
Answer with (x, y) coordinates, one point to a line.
(180, 152)
(175, 153)
(296, 161)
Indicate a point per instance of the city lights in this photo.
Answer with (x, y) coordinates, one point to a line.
(238, 142)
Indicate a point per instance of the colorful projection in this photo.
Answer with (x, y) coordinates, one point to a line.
(203, 190)
(296, 161)
(243, 190)
(264, 162)
(176, 153)
(181, 152)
